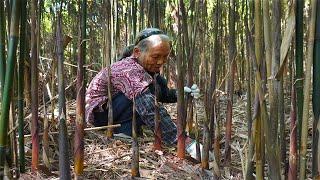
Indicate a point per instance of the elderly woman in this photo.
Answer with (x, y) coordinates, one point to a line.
(132, 77)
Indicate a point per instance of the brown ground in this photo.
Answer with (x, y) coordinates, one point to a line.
(111, 159)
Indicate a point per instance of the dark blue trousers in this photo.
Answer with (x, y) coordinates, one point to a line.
(122, 114)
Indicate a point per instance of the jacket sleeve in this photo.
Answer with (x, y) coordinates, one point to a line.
(166, 95)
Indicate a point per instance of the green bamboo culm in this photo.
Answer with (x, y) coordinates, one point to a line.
(22, 59)
(2, 48)
(315, 99)
(5, 106)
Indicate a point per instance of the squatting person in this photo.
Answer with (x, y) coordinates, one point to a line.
(132, 77)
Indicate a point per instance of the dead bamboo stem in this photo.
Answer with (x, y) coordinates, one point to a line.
(86, 129)
(135, 146)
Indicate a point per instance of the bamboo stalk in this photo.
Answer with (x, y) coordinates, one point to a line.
(108, 60)
(64, 164)
(299, 63)
(189, 115)
(12, 157)
(292, 172)
(110, 109)
(211, 96)
(80, 109)
(22, 60)
(272, 141)
(34, 89)
(53, 87)
(315, 101)
(216, 139)
(45, 138)
(6, 99)
(250, 152)
(157, 118)
(270, 63)
(230, 87)
(135, 146)
(259, 165)
(261, 110)
(180, 106)
(192, 40)
(2, 49)
(206, 146)
(306, 92)
(197, 135)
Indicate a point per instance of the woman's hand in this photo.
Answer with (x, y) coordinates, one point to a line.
(193, 90)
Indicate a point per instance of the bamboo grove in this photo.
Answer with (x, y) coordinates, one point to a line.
(263, 52)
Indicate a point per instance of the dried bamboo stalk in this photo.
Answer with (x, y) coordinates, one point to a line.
(86, 129)
(135, 146)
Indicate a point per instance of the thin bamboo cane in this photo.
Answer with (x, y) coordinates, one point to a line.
(2, 49)
(299, 63)
(22, 60)
(135, 146)
(108, 59)
(180, 106)
(249, 163)
(157, 118)
(45, 138)
(292, 172)
(197, 134)
(64, 164)
(80, 117)
(110, 109)
(206, 141)
(34, 89)
(13, 154)
(230, 87)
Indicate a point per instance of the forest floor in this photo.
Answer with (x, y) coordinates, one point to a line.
(111, 158)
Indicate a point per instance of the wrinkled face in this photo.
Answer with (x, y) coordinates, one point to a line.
(155, 56)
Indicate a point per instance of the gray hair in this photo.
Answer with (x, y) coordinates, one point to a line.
(144, 44)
